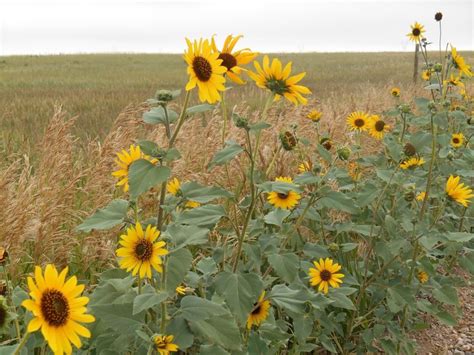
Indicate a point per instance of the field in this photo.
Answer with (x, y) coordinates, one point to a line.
(63, 119)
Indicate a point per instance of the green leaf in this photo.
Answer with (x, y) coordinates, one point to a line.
(446, 294)
(203, 194)
(157, 116)
(223, 156)
(212, 350)
(339, 201)
(207, 215)
(148, 300)
(341, 300)
(324, 153)
(287, 298)
(199, 109)
(183, 235)
(459, 237)
(276, 217)
(182, 334)
(178, 265)
(257, 127)
(118, 317)
(240, 292)
(285, 265)
(196, 308)
(143, 175)
(446, 318)
(107, 217)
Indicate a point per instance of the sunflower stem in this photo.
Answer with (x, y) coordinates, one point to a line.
(224, 117)
(181, 119)
(10, 292)
(167, 122)
(22, 343)
(430, 171)
(164, 312)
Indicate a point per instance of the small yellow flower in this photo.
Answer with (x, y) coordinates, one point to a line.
(457, 140)
(422, 277)
(421, 196)
(325, 274)
(416, 33)
(181, 290)
(395, 92)
(358, 121)
(304, 167)
(426, 75)
(259, 312)
(354, 171)
(454, 81)
(412, 163)
(314, 115)
(286, 200)
(457, 191)
(173, 187)
(164, 344)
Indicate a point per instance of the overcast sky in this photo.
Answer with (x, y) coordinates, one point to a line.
(152, 26)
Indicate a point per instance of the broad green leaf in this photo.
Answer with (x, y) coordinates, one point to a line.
(446, 294)
(157, 115)
(287, 298)
(148, 300)
(257, 127)
(182, 235)
(223, 156)
(178, 264)
(285, 265)
(337, 200)
(446, 318)
(276, 217)
(341, 300)
(118, 317)
(182, 334)
(143, 175)
(240, 292)
(324, 153)
(207, 215)
(196, 308)
(199, 109)
(107, 217)
(459, 237)
(212, 350)
(221, 330)
(203, 194)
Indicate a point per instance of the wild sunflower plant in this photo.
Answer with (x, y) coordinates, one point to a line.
(350, 254)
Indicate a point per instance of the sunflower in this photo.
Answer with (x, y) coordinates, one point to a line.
(354, 171)
(457, 191)
(325, 274)
(259, 312)
(422, 277)
(457, 140)
(124, 160)
(205, 70)
(174, 188)
(377, 127)
(412, 163)
(164, 344)
(180, 290)
(279, 81)
(358, 121)
(416, 33)
(58, 309)
(426, 75)
(304, 167)
(140, 252)
(395, 92)
(459, 63)
(314, 115)
(283, 200)
(421, 196)
(233, 60)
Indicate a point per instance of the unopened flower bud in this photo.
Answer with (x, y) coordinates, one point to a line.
(409, 196)
(333, 247)
(240, 122)
(438, 67)
(326, 143)
(344, 153)
(164, 96)
(409, 149)
(288, 140)
(432, 105)
(404, 108)
(450, 155)
(438, 16)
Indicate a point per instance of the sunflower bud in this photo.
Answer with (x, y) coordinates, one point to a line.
(470, 121)
(333, 247)
(409, 149)
(288, 140)
(326, 143)
(409, 196)
(404, 108)
(450, 155)
(240, 122)
(344, 153)
(438, 16)
(164, 96)
(3, 255)
(438, 67)
(446, 103)
(432, 105)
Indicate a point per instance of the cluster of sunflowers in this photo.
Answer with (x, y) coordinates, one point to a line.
(256, 271)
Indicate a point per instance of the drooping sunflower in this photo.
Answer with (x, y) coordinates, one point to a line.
(422, 277)
(259, 312)
(454, 81)
(460, 63)
(426, 75)
(58, 309)
(233, 60)
(174, 188)
(457, 191)
(314, 115)
(378, 127)
(416, 33)
(421, 196)
(325, 274)
(140, 251)
(205, 70)
(457, 140)
(412, 163)
(124, 160)
(278, 80)
(358, 121)
(395, 92)
(164, 344)
(305, 166)
(283, 200)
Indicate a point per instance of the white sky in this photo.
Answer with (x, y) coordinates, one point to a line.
(152, 26)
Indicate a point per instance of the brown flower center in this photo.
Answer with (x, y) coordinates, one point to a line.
(416, 32)
(455, 140)
(144, 250)
(256, 309)
(202, 68)
(282, 196)
(228, 60)
(379, 126)
(359, 122)
(54, 308)
(325, 275)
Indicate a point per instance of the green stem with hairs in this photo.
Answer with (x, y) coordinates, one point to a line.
(22, 343)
